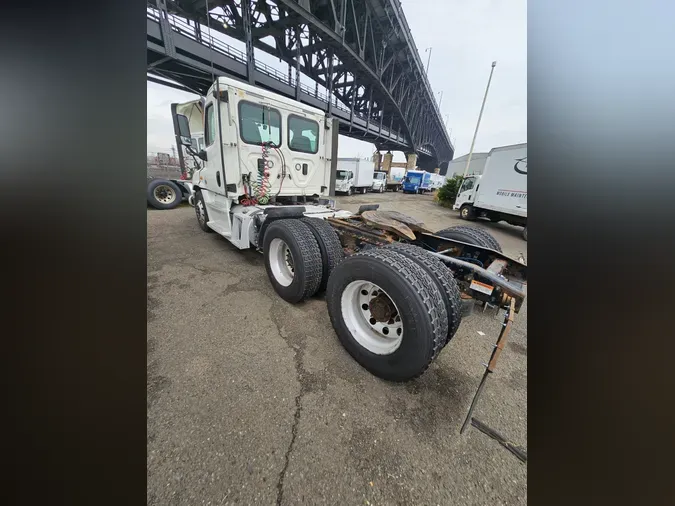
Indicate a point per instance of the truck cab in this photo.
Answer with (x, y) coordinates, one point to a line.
(467, 192)
(344, 181)
(413, 181)
(379, 181)
(259, 149)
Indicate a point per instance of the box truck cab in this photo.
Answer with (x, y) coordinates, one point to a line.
(413, 181)
(500, 193)
(379, 181)
(344, 181)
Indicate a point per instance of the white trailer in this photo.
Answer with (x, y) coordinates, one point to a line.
(436, 181)
(395, 178)
(354, 175)
(500, 193)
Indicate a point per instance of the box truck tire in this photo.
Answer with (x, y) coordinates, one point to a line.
(387, 312)
(466, 212)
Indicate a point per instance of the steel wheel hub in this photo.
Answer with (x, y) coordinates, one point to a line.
(164, 194)
(281, 262)
(372, 317)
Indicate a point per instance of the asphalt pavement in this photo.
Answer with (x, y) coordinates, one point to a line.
(252, 400)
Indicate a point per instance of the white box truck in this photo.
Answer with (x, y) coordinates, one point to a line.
(500, 193)
(437, 181)
(354, 175)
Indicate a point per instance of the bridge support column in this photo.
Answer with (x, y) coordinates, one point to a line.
(386, 164)
(411, 159)
(377, 160)
(248, 36)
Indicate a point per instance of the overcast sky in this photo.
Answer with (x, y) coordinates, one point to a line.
(466, 37)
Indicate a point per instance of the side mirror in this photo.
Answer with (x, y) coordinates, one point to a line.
(202, 154)
(184, 130)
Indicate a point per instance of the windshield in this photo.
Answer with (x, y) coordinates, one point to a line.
(379, 175)
(414, 178)
(342, 174)
(467, 185)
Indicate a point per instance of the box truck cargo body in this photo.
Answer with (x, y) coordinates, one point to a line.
(500, 193)
(395, 178)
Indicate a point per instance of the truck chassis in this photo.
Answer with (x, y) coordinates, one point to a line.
(396, 291)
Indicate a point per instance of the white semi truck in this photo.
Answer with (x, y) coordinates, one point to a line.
(354, 175)
(379, 181)
(500, 193)
(399, 295)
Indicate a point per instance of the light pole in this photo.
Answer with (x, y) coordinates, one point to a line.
(480, 115)
(428, 60)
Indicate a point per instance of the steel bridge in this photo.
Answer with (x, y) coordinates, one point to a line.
(359, 54)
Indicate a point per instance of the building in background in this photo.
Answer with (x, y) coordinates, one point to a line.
(456, 167)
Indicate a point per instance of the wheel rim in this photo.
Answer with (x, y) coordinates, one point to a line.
(201, 212)
(465, 212)
(372, 317)
(164, 194)
(281, 262)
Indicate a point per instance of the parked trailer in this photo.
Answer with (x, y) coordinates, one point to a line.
(395, 179)
(399, 295)
(354, 175)
(500, 193)
(437, 181)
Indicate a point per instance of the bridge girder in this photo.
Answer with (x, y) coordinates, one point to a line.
(359, 51)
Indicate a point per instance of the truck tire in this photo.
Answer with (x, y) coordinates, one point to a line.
(387, 312)
(201, 212)
(525, 234)
(349, 192)
(466, 212)
(471, 235)
(331, 249)
(444, 279)
(163, 194)
(292, 259)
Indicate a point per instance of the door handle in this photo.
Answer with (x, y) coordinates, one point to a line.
(304, 169)
(218, 178)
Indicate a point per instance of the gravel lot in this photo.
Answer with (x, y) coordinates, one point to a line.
(252, 400)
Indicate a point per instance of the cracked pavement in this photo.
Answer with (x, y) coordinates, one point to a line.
(252, 400)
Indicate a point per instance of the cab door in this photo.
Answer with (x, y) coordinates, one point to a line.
(466, 192)
(259, 128)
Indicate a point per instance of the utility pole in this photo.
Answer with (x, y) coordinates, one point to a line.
(428, 60)
(480, 115)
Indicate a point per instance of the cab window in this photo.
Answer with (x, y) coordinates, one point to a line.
(210, 126)
(259, 124)
(467, 185)
(303, 134)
